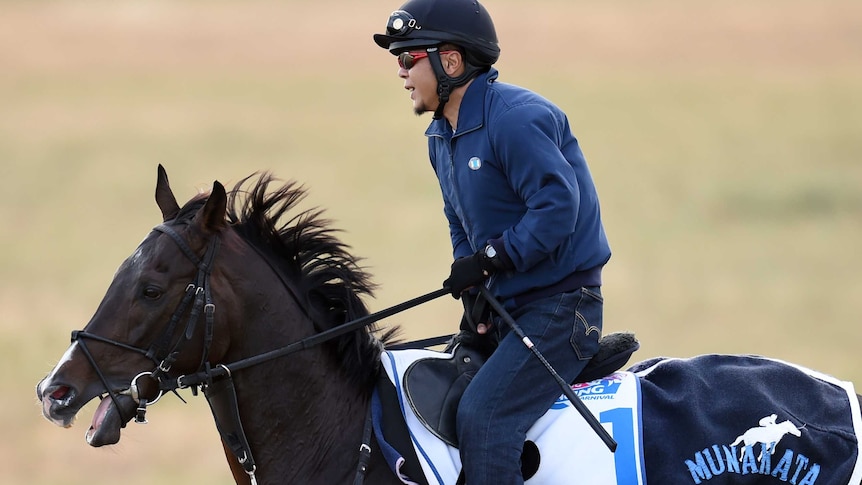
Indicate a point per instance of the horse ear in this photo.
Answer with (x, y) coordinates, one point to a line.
(211, 217)
(165, 196)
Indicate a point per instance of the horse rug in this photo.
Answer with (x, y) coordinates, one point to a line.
(714, 419)
(737, 419)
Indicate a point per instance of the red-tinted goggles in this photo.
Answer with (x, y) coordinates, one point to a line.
(407, 60)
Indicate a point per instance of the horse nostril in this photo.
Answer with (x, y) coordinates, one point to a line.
(59, 393)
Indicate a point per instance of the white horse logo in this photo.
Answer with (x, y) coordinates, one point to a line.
(769, 433)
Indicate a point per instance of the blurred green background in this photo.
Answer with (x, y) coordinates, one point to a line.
(725, 139)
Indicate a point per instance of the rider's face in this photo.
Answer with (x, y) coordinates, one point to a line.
(420, 81)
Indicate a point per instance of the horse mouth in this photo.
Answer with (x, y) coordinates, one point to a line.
(108, 420)
(61, 403)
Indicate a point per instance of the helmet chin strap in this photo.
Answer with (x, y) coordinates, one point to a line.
(445, 83)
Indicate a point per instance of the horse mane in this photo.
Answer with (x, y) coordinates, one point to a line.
(315, 265)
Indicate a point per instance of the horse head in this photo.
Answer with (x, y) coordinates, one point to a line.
(789, 427)
(223, 279)
(147, 322)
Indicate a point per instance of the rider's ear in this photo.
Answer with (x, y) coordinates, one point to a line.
(453, 63)
(212, 216)
(165, 196)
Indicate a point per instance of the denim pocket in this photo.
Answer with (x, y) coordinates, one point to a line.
(587, 328)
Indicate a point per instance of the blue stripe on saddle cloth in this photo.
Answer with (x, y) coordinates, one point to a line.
(730, 419)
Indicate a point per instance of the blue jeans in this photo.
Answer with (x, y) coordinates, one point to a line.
(514, 389)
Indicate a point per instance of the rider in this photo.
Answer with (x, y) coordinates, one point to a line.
(523, 216)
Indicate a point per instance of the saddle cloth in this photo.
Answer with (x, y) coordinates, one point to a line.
(570, 451)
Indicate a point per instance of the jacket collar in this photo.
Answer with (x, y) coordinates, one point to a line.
(471, 113)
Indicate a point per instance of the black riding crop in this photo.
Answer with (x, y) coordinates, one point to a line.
(567, 389)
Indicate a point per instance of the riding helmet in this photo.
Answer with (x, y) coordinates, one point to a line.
(426, 23)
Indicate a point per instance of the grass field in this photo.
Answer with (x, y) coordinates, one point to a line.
(725, 139)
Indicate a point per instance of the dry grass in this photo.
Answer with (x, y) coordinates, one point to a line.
(725, 140)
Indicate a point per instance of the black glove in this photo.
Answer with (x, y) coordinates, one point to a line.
(467, 272)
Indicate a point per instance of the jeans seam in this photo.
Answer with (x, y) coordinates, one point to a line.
(588, 329)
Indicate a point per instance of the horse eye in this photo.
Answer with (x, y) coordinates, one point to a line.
(152, 293)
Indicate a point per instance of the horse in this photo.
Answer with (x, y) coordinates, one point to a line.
(240, 294)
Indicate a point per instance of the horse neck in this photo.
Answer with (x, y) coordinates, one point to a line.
(302, 417)
(305, 422)
(303, 427)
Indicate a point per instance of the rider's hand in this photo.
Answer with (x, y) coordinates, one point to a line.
(468, 272)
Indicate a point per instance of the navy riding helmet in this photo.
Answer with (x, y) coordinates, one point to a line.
(426, 24)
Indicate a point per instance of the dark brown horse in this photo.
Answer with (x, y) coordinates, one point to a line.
(270, 286)
(237, 277)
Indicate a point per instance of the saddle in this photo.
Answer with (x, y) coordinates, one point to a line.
(434, 386)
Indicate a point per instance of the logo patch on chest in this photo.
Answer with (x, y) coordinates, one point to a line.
(474, 163)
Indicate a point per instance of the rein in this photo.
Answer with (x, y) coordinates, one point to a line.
(223, 370)
(217, 382)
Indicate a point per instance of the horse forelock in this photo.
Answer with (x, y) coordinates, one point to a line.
(188, 211)
(302, 245)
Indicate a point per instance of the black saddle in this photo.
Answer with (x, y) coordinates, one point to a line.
(434, 386)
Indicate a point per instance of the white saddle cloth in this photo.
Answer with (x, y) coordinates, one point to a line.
(571, 452)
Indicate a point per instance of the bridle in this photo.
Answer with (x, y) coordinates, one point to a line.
(217, 382)
(160, 351)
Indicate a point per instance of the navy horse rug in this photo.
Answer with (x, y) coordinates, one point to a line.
(712, 419)
(745, 419)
